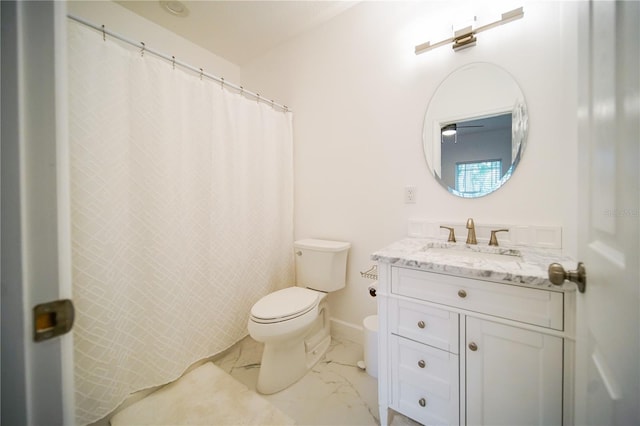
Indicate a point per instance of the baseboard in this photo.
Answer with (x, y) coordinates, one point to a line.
(347, 331)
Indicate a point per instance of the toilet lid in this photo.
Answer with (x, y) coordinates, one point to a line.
(284, 303)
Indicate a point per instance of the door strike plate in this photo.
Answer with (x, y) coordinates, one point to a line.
(52, 319)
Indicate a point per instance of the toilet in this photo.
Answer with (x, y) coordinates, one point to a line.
(293, 323)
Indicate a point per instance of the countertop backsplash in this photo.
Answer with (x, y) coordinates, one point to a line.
(549, 237)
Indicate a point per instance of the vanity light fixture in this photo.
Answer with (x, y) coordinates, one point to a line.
(466, 37)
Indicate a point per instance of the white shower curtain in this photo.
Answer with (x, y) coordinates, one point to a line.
(182, 217)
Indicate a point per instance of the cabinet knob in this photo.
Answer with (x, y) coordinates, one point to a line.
(422, 402)
(462, 293)
(473, 346)
(421, 363)
(421, 324)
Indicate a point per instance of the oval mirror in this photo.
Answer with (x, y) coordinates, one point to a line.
(475, 130)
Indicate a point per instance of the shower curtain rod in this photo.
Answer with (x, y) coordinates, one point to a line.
(174, 61)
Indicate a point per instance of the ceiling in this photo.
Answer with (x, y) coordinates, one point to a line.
(486, 124)
(240, 31)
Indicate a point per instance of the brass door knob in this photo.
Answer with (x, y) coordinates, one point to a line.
(422, 402)
(462, 293)
(473, 346)
(421, 324)
(421, 363)
(557, 275)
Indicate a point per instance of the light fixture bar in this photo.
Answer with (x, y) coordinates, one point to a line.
(507, 17)
(466, 37)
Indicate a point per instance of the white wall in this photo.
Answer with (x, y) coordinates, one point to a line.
(122, 21)
(359, 95)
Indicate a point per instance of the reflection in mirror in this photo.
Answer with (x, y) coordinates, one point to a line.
(475, 130)
(476, 154)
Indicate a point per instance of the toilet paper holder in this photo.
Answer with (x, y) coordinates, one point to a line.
(372, 274)
(373, 289)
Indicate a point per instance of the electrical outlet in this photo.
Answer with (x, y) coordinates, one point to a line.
(409, 194)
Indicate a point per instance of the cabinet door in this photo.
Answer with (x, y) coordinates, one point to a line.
(513, 376)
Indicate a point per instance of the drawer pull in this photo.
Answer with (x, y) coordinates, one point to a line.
(422, 402)
(421, 363)
(473, 346)
(421, 324)
(462, 293)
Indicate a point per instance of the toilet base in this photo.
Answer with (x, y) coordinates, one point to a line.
(314, 355)
(286, 362)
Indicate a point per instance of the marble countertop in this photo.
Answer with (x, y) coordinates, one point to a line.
(522, 266)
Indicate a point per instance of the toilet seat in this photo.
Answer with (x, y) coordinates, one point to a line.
(284, 305)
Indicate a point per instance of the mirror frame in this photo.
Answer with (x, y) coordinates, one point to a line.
(474, 91)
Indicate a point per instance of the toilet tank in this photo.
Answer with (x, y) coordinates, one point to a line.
(321, 264)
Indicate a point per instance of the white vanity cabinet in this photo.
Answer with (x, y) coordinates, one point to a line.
(456, 350)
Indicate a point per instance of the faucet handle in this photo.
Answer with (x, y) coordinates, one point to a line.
(493, 241)
(452, 234)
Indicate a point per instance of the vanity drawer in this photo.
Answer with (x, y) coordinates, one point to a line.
(436, 410)
(425, 324)
(425, 366)
(528, 305)
(427, 394)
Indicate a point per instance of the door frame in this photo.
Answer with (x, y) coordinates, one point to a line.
(37, 378)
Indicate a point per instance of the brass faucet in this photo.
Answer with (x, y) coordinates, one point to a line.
(471, 236)
(493, 241)
(452, 234)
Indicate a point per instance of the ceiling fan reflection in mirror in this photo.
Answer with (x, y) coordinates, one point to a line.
(451, 130)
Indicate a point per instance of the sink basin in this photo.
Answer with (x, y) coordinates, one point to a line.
(476, 252)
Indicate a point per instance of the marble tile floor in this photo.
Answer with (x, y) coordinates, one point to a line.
(334, 392)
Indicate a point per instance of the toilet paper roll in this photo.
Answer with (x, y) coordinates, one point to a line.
(373, 288)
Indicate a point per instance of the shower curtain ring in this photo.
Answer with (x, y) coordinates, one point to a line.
(201, 72)
(143, 49)
(222, 82)
(272, 104)
(257, 97)
(173, 62)
(104, 34)
(241, 90)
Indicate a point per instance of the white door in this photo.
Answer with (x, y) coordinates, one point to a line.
(513, 375)
(608, 320)
(37, 378)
